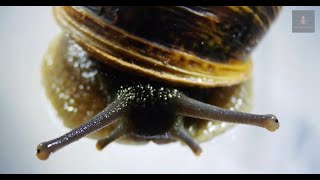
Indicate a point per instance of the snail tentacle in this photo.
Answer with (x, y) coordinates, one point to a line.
(117, 133)
(117, 109)
(180, 133)
(189, 107)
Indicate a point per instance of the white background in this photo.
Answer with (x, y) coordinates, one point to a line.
(286, 83)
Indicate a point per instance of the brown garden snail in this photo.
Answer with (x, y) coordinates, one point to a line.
(161, 74)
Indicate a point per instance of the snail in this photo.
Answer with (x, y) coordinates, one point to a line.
(161, 74)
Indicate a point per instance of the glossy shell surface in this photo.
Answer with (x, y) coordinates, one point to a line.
(188, 46)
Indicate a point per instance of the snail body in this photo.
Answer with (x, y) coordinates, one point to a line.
(161, 74)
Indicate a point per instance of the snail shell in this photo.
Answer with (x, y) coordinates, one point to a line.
(154, 73)
(192, 46)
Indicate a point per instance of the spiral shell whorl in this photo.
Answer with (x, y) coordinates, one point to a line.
(190, 46)
(216, 33)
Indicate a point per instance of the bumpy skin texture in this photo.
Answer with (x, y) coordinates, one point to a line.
(79, 87)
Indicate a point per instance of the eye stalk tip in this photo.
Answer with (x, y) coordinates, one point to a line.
(42, 152)
(198, 152)
(272, 123)
(99, 146)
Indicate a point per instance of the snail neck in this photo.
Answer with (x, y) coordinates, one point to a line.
(151, 115)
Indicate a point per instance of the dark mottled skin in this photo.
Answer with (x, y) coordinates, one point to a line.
(151, 114)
